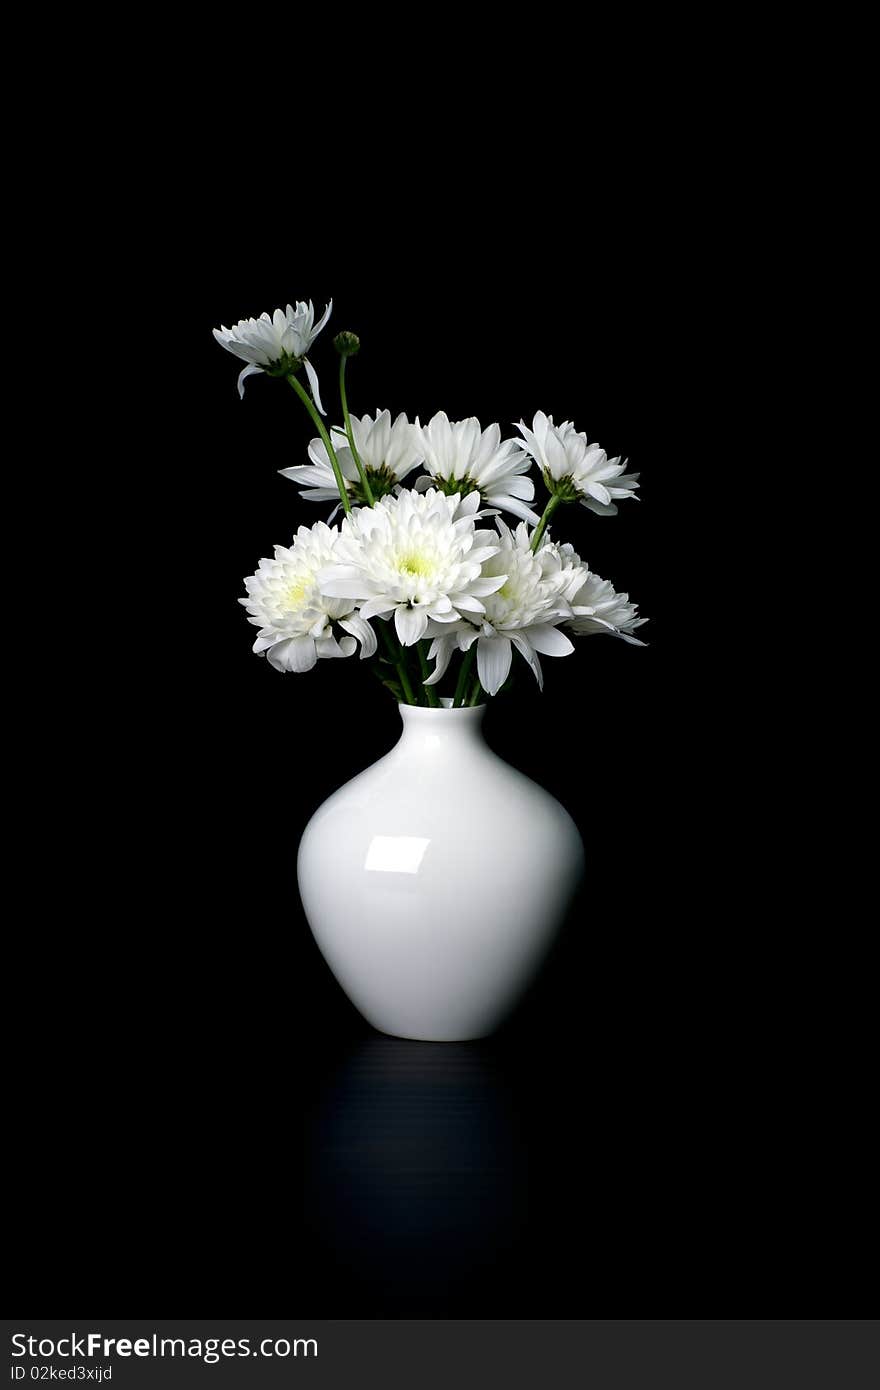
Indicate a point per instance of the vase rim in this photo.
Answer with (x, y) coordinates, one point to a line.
(429, 711)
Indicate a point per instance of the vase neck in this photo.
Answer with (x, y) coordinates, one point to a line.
(440, 731)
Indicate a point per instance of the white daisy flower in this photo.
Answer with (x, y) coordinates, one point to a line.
(387, 451)
(598, 608)
(523, 613)
(296, 620)
(276, 344)
(575, 469)
(416, 555)
(462, 458)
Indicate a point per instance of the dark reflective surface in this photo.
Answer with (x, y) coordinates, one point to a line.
(416, 1179)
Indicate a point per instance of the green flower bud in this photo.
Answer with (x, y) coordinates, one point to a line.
(347, 344)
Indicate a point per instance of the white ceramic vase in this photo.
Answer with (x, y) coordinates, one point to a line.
(435, 882)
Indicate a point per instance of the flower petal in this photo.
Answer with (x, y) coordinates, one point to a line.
(329, 647)
(277, 655)
(526, 650)
(313, 383)
(250, 370)
(514, 506)
(549, 640)
(410, 624)
(442, 649)
(360, 628)
(321, 322)
(468, 505)
(489, 585)
(599, 492)
(342, 581)
(494, 656)
(301, 654)
(304, 475)
(376, 606)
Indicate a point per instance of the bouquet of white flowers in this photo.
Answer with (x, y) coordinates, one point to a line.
(411, 570)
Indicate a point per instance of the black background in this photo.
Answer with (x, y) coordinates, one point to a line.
(204, 1119)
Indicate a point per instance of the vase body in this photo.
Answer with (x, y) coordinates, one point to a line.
(435, 881)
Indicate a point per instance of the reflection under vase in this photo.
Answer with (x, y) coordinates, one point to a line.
(416, 1178)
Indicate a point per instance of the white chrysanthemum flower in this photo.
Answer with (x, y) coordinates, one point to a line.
(277, 344)
(416, 555)
(296, 620)
(598, 608)
(562, 565)
(522, 613)
(575, 468)
(462, 458)
(387, 451)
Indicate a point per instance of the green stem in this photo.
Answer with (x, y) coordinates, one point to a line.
(476, 692)
(405, 680)
(398, 661)
(463, 677)
(368, 491)
(429, 690)
(541, 527)
(331, 452)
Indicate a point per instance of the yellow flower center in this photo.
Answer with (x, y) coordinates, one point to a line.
(294, 595)
(416, 564)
